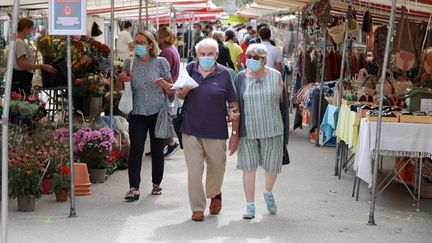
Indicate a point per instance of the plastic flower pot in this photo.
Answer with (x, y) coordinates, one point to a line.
(26, 203)
(61, 195)
(97, 175)
(46, 186)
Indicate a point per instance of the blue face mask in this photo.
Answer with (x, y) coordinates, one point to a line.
(207, 62)
(29, 36)
(140, 50)
(253, 65)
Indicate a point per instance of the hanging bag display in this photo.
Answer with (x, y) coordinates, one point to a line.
(368, 86)
(126, 100)
(427, 53)
(405, 59)
(359, 78)
(337, 32)
(388, 85)
(401, 85)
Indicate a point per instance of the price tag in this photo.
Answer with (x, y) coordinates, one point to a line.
(426, 105)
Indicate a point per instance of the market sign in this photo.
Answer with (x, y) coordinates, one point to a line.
(67, 17)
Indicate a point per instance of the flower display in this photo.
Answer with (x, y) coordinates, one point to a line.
(24, 175)
(25, 110)
(61, 179)
(94, 146)
(90, 85)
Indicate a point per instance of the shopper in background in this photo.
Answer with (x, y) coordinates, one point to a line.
(125, 43)
(205, 127)
(274, 54)
(244, 45)
(261, 132)
(148, 75)
(166, 39)
(199, 36)
(224, 57)
(24, 61)
(258, 40)
(241, 33)
(235, 50)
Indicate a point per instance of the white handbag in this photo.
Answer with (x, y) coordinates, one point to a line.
(126, 100)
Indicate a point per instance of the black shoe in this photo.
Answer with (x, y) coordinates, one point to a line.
(171, 149)
(148, 154)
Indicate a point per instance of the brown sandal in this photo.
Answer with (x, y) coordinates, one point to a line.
(157, 190)
(132, 195)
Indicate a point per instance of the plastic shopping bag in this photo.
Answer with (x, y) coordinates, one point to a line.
(164, 128)
(126, 101)
(184, 80)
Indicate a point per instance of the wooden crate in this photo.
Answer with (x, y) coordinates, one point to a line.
(384, 119)
(416, 119)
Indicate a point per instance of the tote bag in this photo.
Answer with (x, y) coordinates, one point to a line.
(126, 100)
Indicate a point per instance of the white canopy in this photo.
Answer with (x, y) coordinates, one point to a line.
(119, 5)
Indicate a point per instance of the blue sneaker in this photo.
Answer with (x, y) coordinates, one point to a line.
(270, 201)
(250, 211)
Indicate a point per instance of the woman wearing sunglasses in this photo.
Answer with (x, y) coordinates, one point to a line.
(259, 91)
(149, 76)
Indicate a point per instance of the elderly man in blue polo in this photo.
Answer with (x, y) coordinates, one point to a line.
(205, 129)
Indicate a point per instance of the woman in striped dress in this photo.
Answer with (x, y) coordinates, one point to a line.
(259, 91)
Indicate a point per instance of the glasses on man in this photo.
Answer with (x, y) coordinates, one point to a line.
(253, 57)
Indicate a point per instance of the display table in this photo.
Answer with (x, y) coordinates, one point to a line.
(57, 99)
(397, 139)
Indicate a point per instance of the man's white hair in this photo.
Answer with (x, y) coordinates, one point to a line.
(210, 43)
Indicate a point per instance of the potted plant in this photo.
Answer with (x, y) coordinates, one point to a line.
(93, 147)
(90, 88)
(24, 176)
(61, 183)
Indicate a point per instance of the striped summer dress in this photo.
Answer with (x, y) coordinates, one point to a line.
(261, 112)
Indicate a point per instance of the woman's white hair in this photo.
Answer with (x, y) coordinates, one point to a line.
(257, 49)
(207, 42)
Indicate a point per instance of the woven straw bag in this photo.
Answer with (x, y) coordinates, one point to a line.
(337, 32)
(368, 86)
(389, 82)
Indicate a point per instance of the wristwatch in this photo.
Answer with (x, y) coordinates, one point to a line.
(234, 132)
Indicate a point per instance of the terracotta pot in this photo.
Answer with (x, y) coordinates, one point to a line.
(81, 179)
(61, 195)
(26, 203)
(97, 175)
(46, 186)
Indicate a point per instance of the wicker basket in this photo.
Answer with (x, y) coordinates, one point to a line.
(353, 30)
(337, 32)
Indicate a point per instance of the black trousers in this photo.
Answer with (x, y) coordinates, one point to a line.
(139, 125)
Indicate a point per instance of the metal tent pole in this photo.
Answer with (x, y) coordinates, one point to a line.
(140, 15)
(72, 212)
(339, 103)
(112, 66)
(5, 123)
(321, 87)
(379, 121)
(157, 15)
(147, 15)
(305, 39)
(295, 59)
